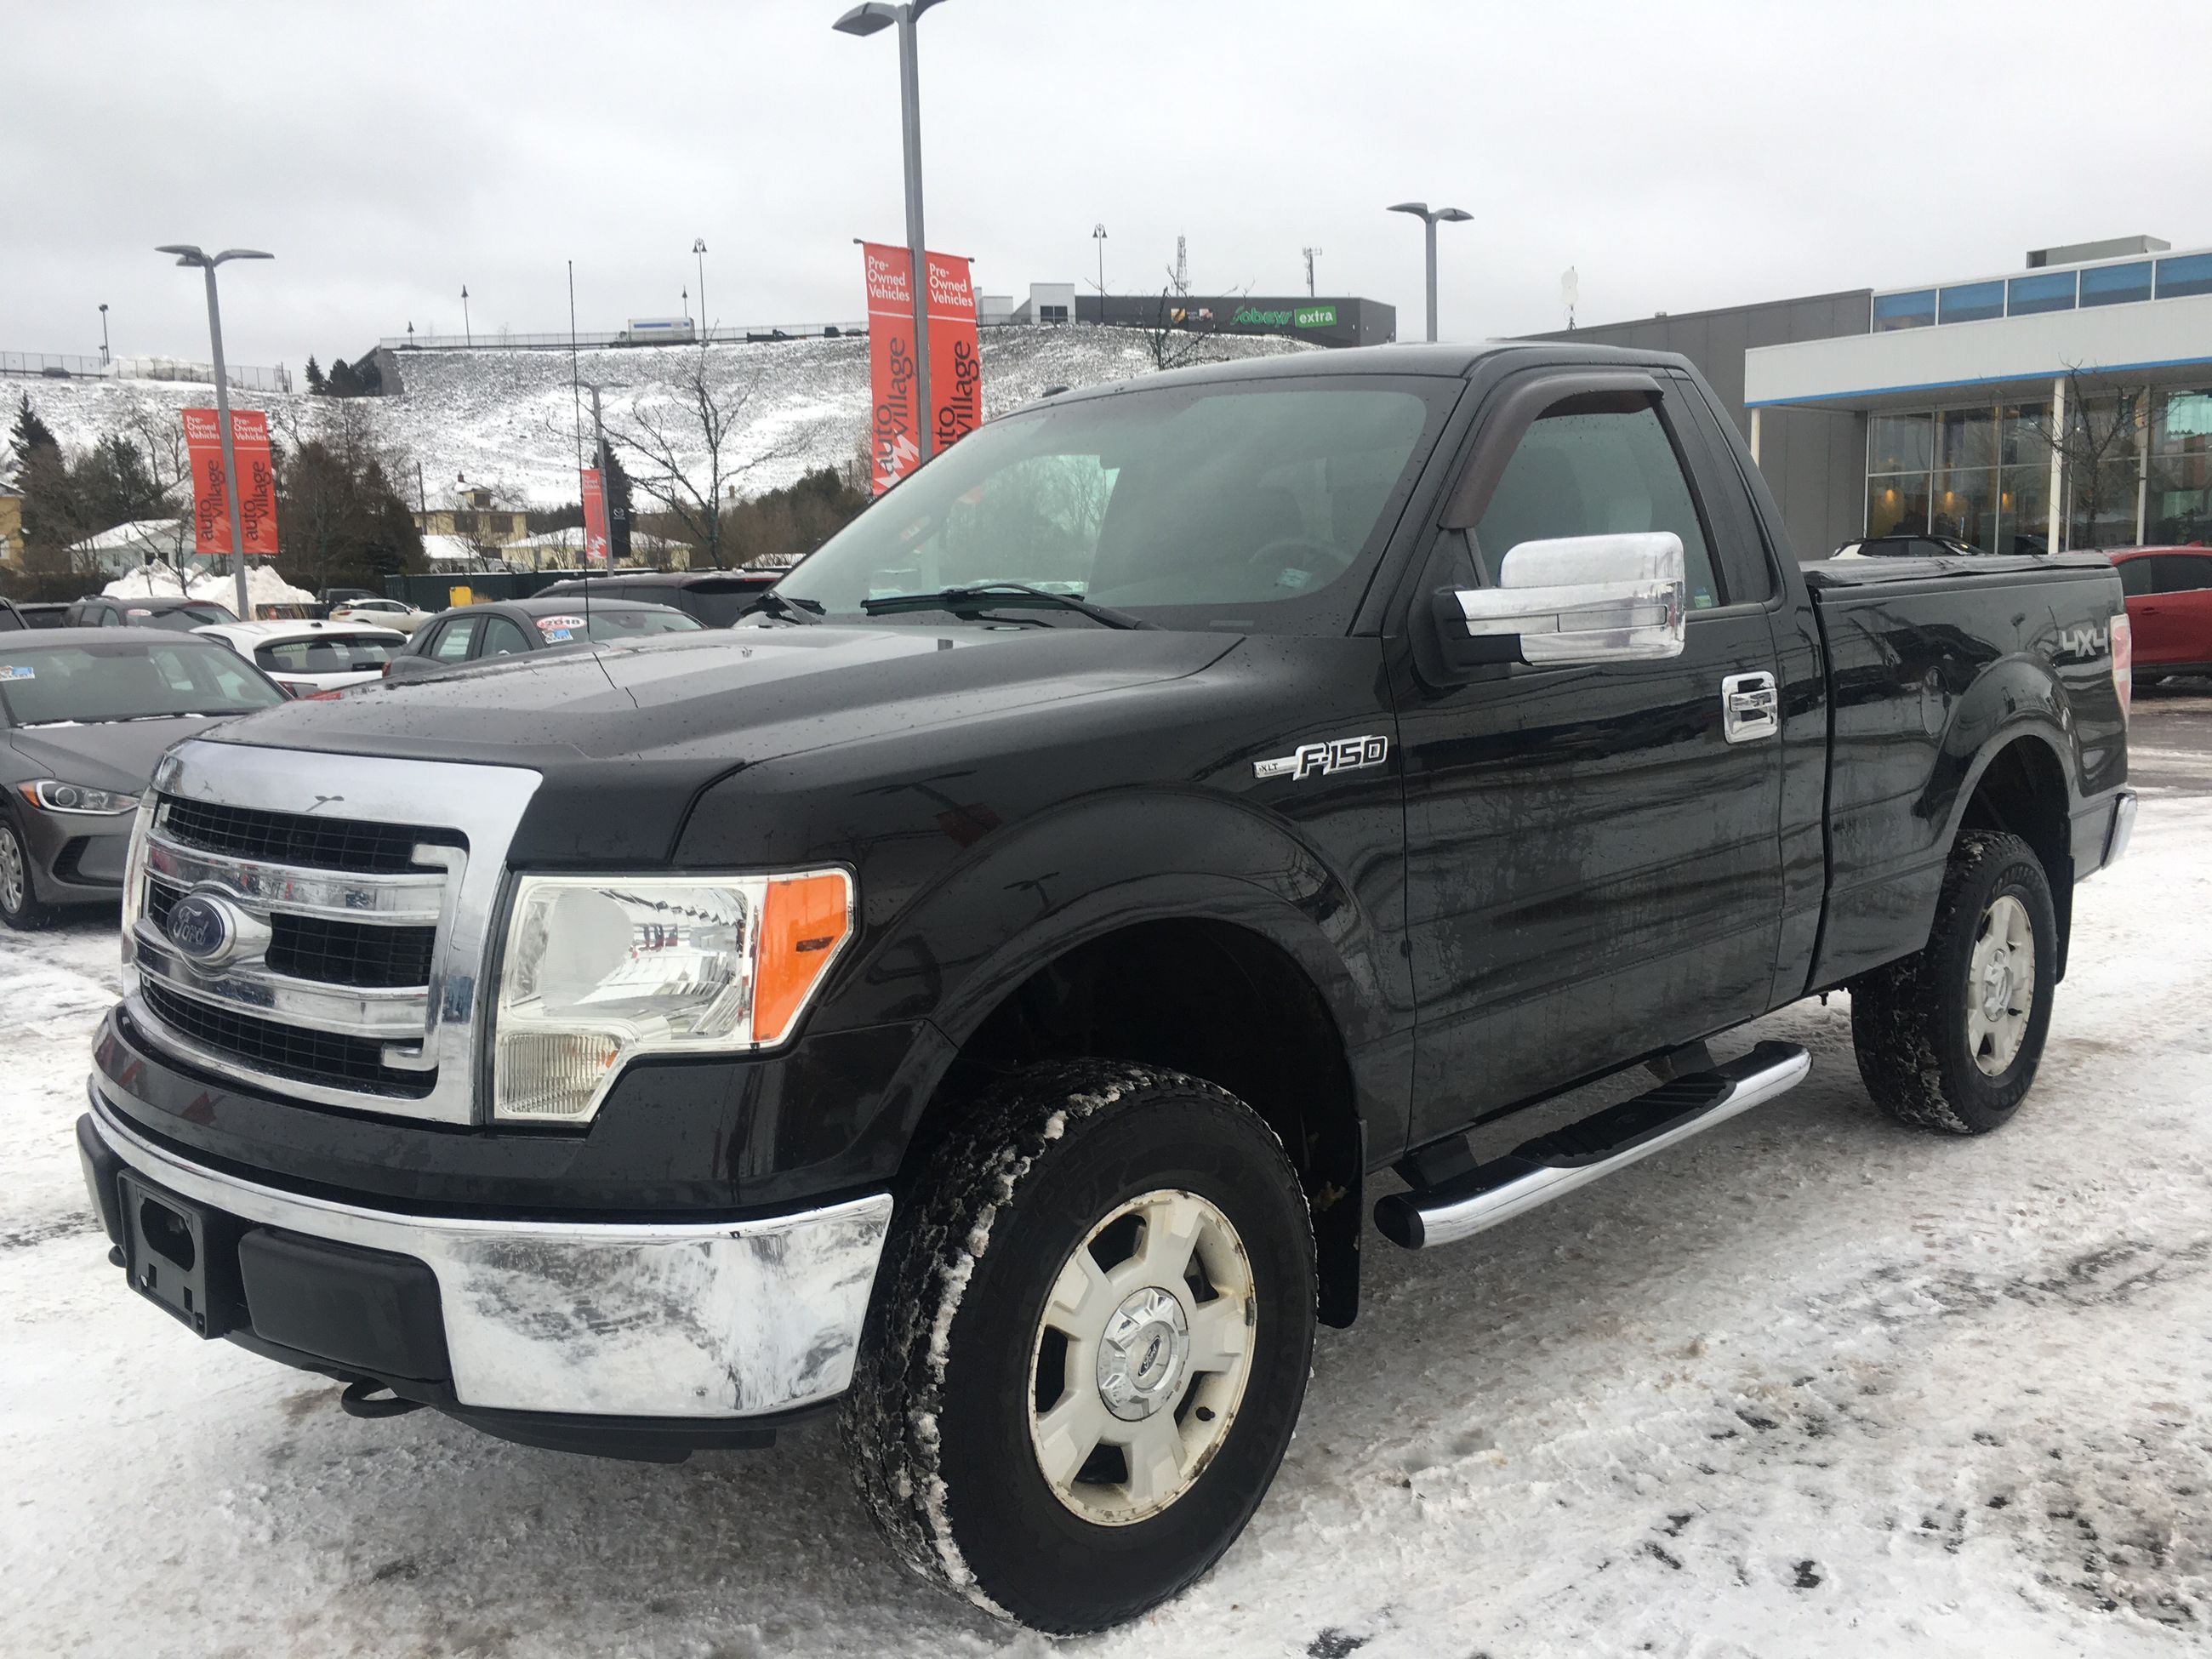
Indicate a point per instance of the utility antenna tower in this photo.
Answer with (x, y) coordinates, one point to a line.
(1182, 268)
(1309, 252)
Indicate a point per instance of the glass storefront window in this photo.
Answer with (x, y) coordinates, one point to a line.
(2023, 517)
(2050, 290)
(1901, 443)
(2183, 422)
(2101, 505)
(2025, 441)
(1964, 504)
(2192, 274)
(1973, 303)
(1966, 438)
(1914, 310)
(2112, 285)
(2178, 506)
(1897, 504)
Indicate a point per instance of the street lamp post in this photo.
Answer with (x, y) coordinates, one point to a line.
(467, 336)
(104, 358)
(1099, 235)
(1429, 217)
(865, 20)
(699, 247)
(188, 255)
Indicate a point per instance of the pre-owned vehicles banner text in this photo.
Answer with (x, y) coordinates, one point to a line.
(257, 480)
(595, 517)
(956, 372)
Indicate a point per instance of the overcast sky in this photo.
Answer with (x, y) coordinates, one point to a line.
(1680, 156)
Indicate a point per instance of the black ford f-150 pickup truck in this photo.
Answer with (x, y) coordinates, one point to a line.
(979, 988)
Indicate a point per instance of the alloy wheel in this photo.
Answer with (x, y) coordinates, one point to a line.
(14, 878)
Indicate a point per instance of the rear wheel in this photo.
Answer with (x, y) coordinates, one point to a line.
(1091, 1346)
(19, 902)
(1949, 1039)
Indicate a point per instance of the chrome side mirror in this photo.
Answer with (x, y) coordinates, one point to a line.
(1575, 599)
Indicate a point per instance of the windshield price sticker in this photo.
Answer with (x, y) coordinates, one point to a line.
(25, 672)
(559, 624)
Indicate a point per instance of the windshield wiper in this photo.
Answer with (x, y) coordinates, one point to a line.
(975, 596)
(790, 610)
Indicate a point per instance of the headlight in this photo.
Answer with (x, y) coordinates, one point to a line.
(56, 796)
(598, 969)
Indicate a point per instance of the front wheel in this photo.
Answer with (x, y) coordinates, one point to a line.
(20, 908)
(1091, 1346)
(1948, 1039)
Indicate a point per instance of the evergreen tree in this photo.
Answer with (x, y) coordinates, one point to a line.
(41, 478)
(369, 376)
(112, 485)
(343, 382)
(28, 432)
(315, 380)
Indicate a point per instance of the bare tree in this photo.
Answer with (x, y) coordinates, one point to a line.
(2098, 431)
(682, 436)
(1177, 334)
(158, 430)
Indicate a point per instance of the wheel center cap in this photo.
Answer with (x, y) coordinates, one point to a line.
(1141, 1354)
(1997, 989)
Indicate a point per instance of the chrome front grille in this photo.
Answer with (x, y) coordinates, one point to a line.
(355, 898)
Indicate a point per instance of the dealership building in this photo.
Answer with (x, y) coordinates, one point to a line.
(1324, 321)
(2064, 405)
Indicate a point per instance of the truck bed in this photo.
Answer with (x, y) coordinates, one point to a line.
(1924, 670)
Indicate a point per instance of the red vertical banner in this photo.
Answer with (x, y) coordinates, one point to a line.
(893, 445)
(595, 517)
(956, 361)
(257, 482)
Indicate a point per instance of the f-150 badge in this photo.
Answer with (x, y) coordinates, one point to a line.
(1341, 755)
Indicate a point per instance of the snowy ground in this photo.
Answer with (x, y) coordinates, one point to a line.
(1808, 1384)
(507, 419)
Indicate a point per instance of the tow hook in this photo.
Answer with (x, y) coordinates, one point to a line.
(356, 1401)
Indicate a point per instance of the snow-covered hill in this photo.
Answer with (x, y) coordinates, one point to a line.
(507, 419)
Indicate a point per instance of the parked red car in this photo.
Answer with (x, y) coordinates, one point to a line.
(2169, 593)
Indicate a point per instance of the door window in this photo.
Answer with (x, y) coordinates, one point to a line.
(501, 638)
(2181, 572)
(1597, 473)
(2135, 577)
(453, 644)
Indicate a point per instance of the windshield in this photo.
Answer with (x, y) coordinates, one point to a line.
(328, 654)
(125, 680)
(1242, 506)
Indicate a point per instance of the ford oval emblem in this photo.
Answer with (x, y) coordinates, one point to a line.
(202, 927)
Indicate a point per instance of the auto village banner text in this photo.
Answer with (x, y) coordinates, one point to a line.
(956, 362)
(257, 482)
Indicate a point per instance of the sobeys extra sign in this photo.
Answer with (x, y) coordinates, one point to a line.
(1303, 317)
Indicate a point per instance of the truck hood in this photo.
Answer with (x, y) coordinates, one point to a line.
(625, 736)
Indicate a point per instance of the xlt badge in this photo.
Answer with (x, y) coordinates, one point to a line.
(1338, 755)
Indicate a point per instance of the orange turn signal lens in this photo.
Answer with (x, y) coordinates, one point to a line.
(803, 923)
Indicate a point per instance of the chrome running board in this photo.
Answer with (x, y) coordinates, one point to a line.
(1541, 1169)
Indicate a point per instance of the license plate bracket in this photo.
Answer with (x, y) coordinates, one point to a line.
(181, 1256)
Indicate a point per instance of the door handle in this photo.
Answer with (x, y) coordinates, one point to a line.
(1751, 709)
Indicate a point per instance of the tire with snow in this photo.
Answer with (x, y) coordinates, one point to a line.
(1089, 1346)
(1948, 1039)
(19, 900)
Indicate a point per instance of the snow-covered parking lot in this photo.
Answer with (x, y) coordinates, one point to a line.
(1809, 1384)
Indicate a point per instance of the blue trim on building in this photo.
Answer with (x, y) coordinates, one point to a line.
(2100, 372)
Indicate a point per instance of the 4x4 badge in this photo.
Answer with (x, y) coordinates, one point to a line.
(1340, 755)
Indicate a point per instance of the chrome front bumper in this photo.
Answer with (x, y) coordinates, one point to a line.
(681, 1318)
